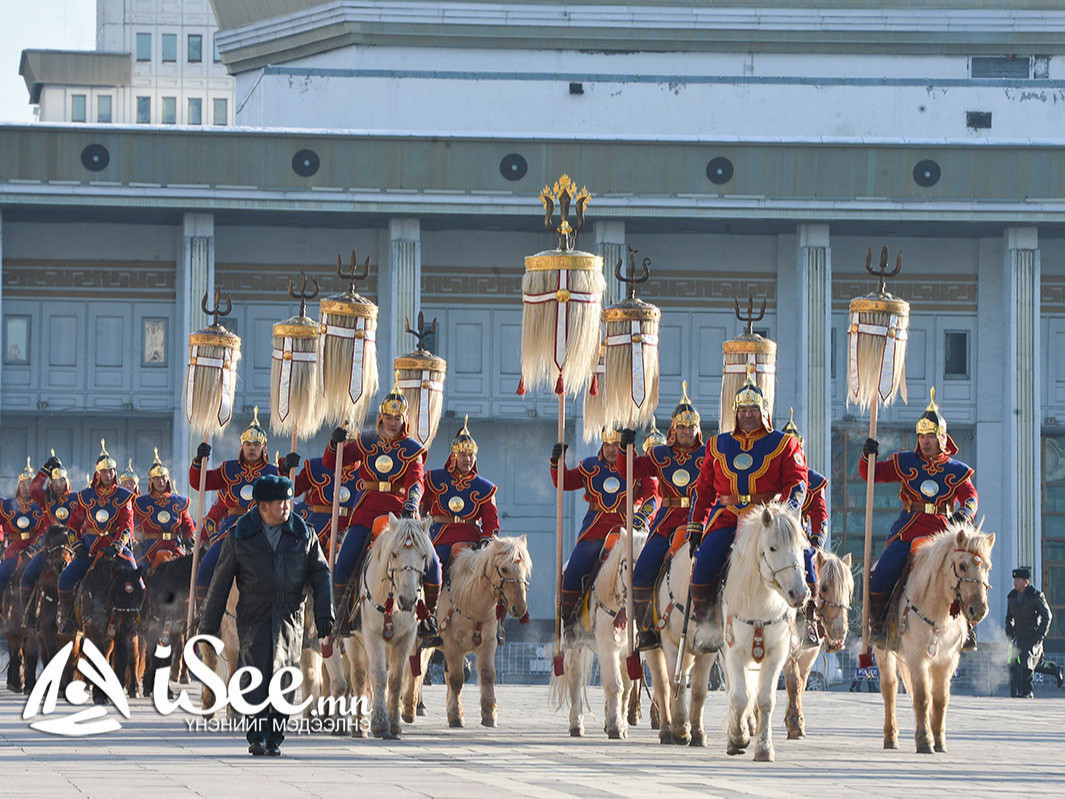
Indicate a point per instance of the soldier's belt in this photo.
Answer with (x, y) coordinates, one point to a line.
(235, 510)
(452, 520)
(329, 509)
(676, 502)
(382, 485)
(600, 508)
(740, 500)
(927, 508)
(25, 536)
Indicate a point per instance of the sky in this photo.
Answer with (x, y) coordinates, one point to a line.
(38, 24)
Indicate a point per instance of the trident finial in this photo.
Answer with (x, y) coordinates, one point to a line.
(422, 332)
(635, 276)
(303, 295)
(354, 272)
(882, 272)
(218, 310)
(564, 192)
(750, 317)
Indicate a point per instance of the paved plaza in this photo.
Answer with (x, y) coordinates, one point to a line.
(997, 747)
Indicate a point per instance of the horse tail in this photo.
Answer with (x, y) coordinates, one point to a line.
(582, 659)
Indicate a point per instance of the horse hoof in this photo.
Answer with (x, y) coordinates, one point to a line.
(655, 724)
(665, 737)
(795, 735)
(682, 740)
(764, 756)
(456, 723)
(488, 722)
(576, 732)
(390, 736)
(940, 748)
(924, 749)
(698, 739)
(421, 709)
(408, 718)
(613, 734)
(733, 749)
(891, 744)
(358, 732)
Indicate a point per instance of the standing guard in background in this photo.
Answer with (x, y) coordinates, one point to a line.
(315, 484)
(675, 464)
(102, 518)
(461, 503)
(936, 490)
(604, 490)
(743, 469)
(390, 467)
(1028, 619)
(22, 520)
(233, 482)
(51, 491)
(163, 518)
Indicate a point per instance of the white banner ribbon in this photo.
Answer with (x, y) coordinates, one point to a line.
(360, 334)
(228, 367)
(427, 386)
(562, 296)
(893, 334)
(284, 388)
(637, 340)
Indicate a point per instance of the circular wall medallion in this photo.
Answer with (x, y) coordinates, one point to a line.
(95, 157)
(345, 493)
(383, 464)
(743, 461)
(456, 504)
(681, 477)
(720, 170)
(102, 515)
(62, 513)
(929, 488)
(247, 492)
(611, 485)
(163, 516)
(22, 522)
(305, 163)
(927, 173)
(513, 166)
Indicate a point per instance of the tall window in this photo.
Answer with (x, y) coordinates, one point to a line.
(956, 354)
(169, 48)
(144, 47)
(195, 114)
(144, 110)
(220, 111)
(1052, 581)
(169, 111)
(103, 108)
(77, 108)
(195, 48)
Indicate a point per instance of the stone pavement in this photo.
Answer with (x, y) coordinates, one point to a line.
(997, 747)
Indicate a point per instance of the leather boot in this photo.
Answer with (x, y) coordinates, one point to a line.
(29, 613)
(641, 603)
(706, 616)
(428, 631)
(970, 640)
(567, 612)
(877, 608)
(65, 615)
(811, 636)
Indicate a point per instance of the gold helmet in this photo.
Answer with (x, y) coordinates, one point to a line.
(129, 473)
(932, 421)
(394, 403)
(653, 438)
(464, 439)
(254, 432)
(104, 459)
(751, 396)
(685, 412)
(58, 472)
(158, 468)
(792, 429)
(27, 473)
(611, 435)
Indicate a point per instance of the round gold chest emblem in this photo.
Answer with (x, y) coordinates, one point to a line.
(456, 504)
(163, 516)
(743, 461)
(345, 493)
(929, 488)
(102, 516)
(247, 492)
(62, 513)
(22, 522)
(383, 464)
(681, 477)
(611, 485)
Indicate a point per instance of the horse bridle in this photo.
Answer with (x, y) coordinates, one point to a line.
(775, 572)
(504, 580)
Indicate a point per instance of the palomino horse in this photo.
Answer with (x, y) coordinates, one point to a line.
(389, 595)
(163, 617)
(601, 634)
(945, 590)
(107, 604)
(677, 724)
(835, 588)
(766, 584)
(480, 581)
(57, 554)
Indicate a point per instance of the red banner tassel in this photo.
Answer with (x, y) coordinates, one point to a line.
(594, 389)
(524, 619)
(559, 388)
(415, 665)
(501, 611)
(559, 665)
(521, 387)
(955, 609)
(634, 666)
(421, 611)
(327, 649)
(620, 619)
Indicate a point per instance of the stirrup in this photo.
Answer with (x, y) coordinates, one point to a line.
(970, 641)
(648, 640)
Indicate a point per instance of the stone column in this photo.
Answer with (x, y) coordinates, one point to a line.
(1021, 439)
(400, 293)
(813, 299)
(195, 277)
(610, 243)
(2, 343)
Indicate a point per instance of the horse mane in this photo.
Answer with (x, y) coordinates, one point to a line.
(784, 531)
(606, 590)
(55, 534)
(833, 569)
(469, 566)
(391, 537)
(931, 558)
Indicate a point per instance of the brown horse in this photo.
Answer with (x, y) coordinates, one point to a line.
(21, 646)
(163, 616)
(107, 604)
(43, 602)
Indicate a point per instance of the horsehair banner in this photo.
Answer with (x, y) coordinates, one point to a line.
(211, 378)
(876, 350)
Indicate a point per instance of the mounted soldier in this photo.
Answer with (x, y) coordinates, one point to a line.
(604, 487)
(22, 521)
(390, 469)
(163, 518)
(462, 504)
(51, 491)
(936, 490)
(129, 479)
(315, 484)
(674, 464)
(233, 481)
(101, 519)
(743, 469)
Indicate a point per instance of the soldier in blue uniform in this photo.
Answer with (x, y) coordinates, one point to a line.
(935, 489)
(23, 521)
(163, 518)
(315, 484)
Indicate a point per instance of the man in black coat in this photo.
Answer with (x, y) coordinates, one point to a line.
(274, 557)
(1027, 622)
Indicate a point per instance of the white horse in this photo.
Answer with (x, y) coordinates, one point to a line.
(600, 635)
(479, 581)
(766, 584)
(832, 610)
(946, 589)
(677, 724)
(322, 676)
(388, 595)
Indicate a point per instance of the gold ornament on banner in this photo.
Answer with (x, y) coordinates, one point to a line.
(752, 353)
(296, 403)
(420, 380)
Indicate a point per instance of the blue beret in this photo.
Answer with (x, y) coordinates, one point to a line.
(271, 488)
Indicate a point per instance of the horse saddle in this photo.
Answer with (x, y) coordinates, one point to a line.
(893, 627)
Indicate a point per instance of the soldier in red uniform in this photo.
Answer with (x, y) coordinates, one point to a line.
(102, 518)
(675, 464)
(163, 517)
(461, 503)
(233, 482)
(604, 489)
(743, 469)
(390, 467)
(129, 479)
(22, 520)
(51, 491)
(936, 490)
